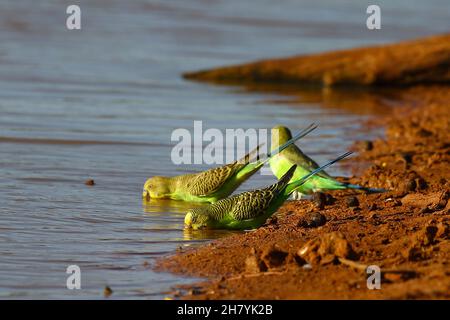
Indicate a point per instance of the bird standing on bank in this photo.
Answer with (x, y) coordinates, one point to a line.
(292, 155)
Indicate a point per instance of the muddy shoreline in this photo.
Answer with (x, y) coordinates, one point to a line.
(419, 61)
(319, 248)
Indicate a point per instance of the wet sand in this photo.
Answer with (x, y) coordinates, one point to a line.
(320, 248)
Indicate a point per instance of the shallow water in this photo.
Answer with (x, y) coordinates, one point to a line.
(102, 102)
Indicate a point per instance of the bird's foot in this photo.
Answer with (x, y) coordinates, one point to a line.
(297, 195)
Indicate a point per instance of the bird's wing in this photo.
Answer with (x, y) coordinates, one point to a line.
(295, 156)
(251, 204)
(209, 181)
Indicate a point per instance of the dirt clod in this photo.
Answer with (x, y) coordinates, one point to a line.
(312, 220)
(365, 145)
(325, 249)
(321, 199)
(274, 257)
(431, 201)
(352, 202)
(253, 264)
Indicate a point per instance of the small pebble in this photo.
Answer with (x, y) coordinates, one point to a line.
(89, 182)
(373, 216)
(107, 292)
(421, 183)
(352, 202)
(366, 145)
(411, 185)
(312, 220)
(273, 220)
(407, 157)
(319, 200)
(195, 291)
(424, 133)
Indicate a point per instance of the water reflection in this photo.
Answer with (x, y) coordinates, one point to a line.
(168, 205)
(356, 100)
(155, 208)
(206, 234)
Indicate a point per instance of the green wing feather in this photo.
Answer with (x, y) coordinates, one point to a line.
(207, 182)
(210, 181)
(294, 155)
(253, 204)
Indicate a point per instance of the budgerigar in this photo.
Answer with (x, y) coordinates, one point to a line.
(214, 184)
(281, 163)
(250, 209)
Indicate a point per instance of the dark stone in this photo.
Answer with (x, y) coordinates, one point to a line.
(321, 199)
(273, 220)
(406, 157)
(107, 291)
(421, 183)
(352, 202)
(312, 220)
(365, 145)
(89, 182)
(195, 291)
(424, 133)
(410, 185)
(274, 257)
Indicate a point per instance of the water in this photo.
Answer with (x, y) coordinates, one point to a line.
(102, 102)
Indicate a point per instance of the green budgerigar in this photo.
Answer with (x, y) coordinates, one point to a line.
(292, 155)
(213, 184)
(249, 210)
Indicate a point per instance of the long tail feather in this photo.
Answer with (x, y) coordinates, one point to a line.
(287, 176)
(299, 135)
(294, 185)
(280, 185)
(366, 189)
(249, 156)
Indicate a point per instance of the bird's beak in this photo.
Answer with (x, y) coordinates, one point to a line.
(146, 195)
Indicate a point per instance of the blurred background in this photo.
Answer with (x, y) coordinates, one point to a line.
(102, 102)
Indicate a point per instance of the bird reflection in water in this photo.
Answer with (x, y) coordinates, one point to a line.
(157, 208)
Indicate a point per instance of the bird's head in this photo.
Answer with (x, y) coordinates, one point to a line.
(198, 218)
(280, 135)
(156, 187)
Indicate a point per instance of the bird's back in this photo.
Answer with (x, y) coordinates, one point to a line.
(293, 155)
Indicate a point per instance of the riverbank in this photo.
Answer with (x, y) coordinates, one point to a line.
(424, 60)
(320, 249)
